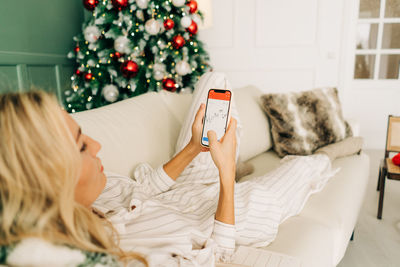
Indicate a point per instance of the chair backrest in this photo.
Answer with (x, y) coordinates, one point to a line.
(393, 135)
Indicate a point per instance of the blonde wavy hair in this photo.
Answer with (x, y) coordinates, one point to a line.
(39, 168)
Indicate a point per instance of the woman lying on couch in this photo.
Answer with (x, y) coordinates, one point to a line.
(58, 206)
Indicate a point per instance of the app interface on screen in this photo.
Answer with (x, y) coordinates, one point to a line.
(216, 115)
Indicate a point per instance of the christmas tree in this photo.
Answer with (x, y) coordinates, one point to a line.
(129, 47)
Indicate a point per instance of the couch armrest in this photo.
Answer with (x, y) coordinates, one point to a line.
(355, 126)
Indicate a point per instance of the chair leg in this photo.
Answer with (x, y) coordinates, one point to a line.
(379, 179)
(382, 192)
(352, 236)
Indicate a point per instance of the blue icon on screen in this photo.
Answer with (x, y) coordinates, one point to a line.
(205, 139)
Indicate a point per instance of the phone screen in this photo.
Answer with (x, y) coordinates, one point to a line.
(216, 115)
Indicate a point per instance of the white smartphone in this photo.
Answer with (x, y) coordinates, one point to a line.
(217, 114)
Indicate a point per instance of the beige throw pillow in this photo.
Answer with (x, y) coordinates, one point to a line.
(301, 122)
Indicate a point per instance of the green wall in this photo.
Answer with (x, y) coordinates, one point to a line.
(35, 37)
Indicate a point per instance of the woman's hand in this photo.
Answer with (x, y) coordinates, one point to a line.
(223, 152)
(197, 128)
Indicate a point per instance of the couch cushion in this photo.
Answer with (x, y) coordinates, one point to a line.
(336, 207)
(256, 130)
(338, 204)
(305, 239)
(139, 129)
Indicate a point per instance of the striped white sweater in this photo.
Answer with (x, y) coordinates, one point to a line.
(173, 222)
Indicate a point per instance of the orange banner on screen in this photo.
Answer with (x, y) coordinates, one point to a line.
(220, 96)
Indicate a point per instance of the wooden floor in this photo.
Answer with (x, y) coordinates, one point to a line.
(376, 242)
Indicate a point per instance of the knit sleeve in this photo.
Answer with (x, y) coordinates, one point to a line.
(224, 235)
(153, 181)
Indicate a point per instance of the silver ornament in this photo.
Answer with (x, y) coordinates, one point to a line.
(186, 21)
(142, 3)
(121, 45)
(158, 75)
(152, 26)
(91, 33)
(110, 93)
(178, 3)
(196, 18)
(182, 68)
(159, 66)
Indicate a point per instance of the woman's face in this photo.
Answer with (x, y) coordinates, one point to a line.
(92, 179)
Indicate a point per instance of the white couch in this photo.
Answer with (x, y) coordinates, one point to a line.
(145, 129)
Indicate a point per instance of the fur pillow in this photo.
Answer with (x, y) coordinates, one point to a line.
(301, 122)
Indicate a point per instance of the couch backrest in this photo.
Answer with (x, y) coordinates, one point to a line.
(145, 128)
(256, 136)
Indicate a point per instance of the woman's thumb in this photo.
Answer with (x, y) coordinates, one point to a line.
(212, 137)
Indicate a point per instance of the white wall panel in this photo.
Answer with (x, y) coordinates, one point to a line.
(268, 43)
(222, 33)
(285, 22)
(273, 80)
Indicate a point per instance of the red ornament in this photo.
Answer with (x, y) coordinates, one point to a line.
(76, 49)
(78, 72)
(129, 69)
(193, 6)
(178, 41)
(192, 28)
(119, 4)
(169, 84)
(88, 76)
(169, 24)
(90, 4)
(396, 159)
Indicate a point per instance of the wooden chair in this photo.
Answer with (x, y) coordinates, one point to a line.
(387, 169)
